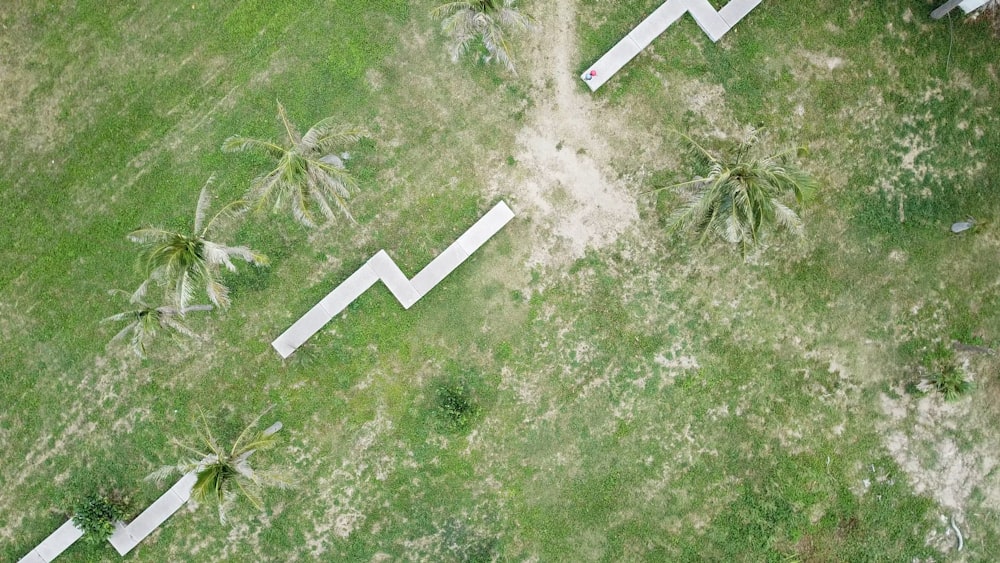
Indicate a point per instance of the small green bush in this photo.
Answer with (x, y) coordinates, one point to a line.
(455, 404)
(949, 380)
(97, 513)
(944, 374)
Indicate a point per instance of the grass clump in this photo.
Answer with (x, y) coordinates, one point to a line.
(944, 374)
(456, 404)
(467, 545)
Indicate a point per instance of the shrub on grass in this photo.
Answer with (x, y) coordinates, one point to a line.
(97, 513)
(455, 404)
(950, 381)
(944, 374)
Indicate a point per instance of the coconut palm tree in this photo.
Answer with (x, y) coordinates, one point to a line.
(308, 174)
(223, 474)
(486, 20)
(741, 195)
(182, 261)
(144, 320)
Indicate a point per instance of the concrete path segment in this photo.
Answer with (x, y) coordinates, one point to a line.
(382, 267)
(714, 23)
(57, 542)
(125, 538)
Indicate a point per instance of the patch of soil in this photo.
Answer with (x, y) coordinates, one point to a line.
(564, 182)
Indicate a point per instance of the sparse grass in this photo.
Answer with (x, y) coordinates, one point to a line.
(651, 402)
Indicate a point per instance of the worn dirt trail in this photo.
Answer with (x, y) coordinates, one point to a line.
(563, 182)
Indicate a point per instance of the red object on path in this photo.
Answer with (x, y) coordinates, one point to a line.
(593, 73)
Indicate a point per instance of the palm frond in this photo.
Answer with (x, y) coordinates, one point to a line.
(450, 8)
(168, 321)
(230, 210)
(496, 44)
(293, 135)
(326, 133)
(702, 157)
(513, 18)
(184, 289)
(218, 293)
(149, 235)
(204, 200)
(162, 473)
(239, 143)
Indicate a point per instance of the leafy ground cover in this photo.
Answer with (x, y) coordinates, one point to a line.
(584, 388)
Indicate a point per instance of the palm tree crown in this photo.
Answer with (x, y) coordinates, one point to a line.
(308, 173)
(182, 261)
(741, 194)
(144, 320)
(486, 20)
(225, 473)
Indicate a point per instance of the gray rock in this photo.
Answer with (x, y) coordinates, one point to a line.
(962, 226)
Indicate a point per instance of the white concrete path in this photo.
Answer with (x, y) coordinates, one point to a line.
(124, 537)
(127, 537)
(714, 23)
(57, 542)
(382, 267)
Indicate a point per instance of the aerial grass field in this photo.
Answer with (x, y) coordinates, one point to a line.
(586, 387)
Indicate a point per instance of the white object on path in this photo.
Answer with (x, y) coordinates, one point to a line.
(714, 23)
(961, 540)
(382, 267)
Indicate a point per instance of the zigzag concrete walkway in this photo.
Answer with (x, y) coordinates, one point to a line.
(381, 267)
(124, 537)
(715, 24)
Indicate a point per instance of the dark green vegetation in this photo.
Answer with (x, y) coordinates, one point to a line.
(97, 513)
(653, 401)
(940, 366)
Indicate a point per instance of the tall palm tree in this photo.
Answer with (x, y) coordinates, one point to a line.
(486, 20)
(223, 474)
(144, 320)
(308, 173)
(741, 195)
(182, 261)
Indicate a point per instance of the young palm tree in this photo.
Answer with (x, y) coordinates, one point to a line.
(144, 320)
(224, 474)
(486, 20)
(308, 173)
(182, 261)
(741, 194)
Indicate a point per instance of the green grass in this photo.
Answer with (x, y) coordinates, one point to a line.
(652, 401)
